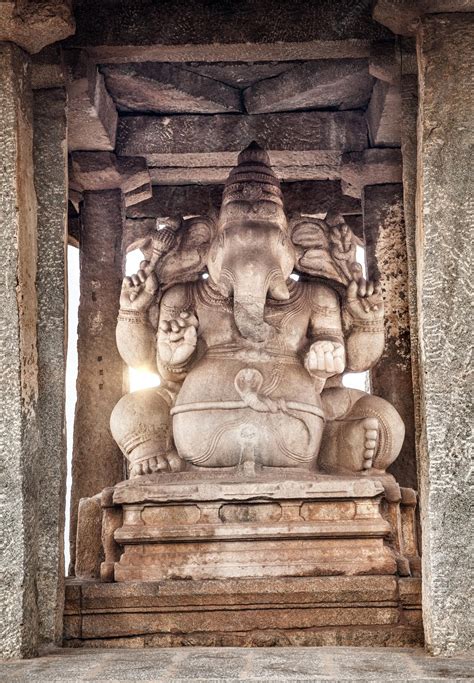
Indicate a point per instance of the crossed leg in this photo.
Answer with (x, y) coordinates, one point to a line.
(141, 425)
(363, 433)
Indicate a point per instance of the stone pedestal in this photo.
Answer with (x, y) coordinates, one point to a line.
(188, 526)
(280, 558)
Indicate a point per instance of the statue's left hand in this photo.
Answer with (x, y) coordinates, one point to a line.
(364, 300)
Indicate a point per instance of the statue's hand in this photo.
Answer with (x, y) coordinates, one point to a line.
(325, 358)
(364, 301)
(177, 338)
(138, 291)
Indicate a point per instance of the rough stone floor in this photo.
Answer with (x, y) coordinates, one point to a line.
(239, 664)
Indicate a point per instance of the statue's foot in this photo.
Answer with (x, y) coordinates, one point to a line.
(362, 437)
(149, 464)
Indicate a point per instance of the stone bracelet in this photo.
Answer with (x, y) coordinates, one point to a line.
(367, 325)
(130, 316)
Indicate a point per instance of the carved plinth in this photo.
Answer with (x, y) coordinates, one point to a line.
(290, 524)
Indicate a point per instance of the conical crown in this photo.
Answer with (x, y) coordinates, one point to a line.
(253, 179)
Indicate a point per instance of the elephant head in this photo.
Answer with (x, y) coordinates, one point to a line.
(252, 256)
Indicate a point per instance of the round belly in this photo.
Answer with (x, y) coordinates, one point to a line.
(230, 411)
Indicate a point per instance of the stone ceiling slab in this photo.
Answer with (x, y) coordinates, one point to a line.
(319, 84)
(166, 88)
(179, 22)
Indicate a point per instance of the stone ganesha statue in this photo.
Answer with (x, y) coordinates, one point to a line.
(251, 360)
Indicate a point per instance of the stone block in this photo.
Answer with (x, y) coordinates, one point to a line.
(160, 87)
(187, 526)
(370, 167)
(341, 84)
(203, 140)
(96, 171)
(33, 25)
(384, 115)
(92, 117)
(89, 551)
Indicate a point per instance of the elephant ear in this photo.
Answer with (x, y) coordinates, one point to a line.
(183, 246)
(326, 249)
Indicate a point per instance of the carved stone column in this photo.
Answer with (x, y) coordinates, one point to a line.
(30, 561)
(50, 159)
(445, 212)
(19, 436)
(107, 183)
(391, 378)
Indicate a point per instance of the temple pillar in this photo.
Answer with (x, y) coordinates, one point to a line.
(50, 168)
(107, 183)
(19, 435)
(391, 378)
(444, 265)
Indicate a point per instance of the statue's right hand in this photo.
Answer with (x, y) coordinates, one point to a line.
(177, 338)
(138, 291)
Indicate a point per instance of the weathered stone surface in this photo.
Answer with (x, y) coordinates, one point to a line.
(409, 90)
(92, 117)
(187, 200)
(47, 69)
(201, 140)
(371, 167)
(344, 84)
(444, 266)
(19, 434)
(292, 603)
(165, 88)
(391, 378)
(32, 25)
(237, 74)
(217, 53)
(50, 169)
(385, 61)
(400, 16)
(96, 171)
(97, 461)
(89, 551)
(404, 17)
(176, 22)
(384, 115)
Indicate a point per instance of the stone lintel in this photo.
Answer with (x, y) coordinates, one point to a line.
(32, 25)
(309, 197)
(96, 171)
(370, 167)
(159, 137)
